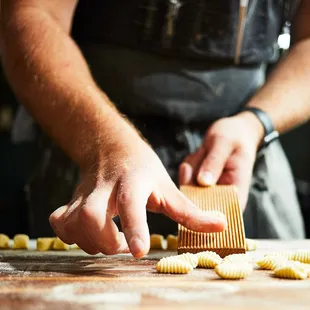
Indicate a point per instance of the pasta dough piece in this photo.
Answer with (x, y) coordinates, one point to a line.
(60, 245)
(4, 241)
(237, 258)
(302, 256)
(272, 262)
(301, 266)
(290, 272)
(188, 257)
(45, 244)
(75, 247)
(234, 270)
(173, 265)
(208, 259)
(157, 242)
(250, 245)
(287, 254)
(172, 242)
(20, 241)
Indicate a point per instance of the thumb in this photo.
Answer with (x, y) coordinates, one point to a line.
(182, 210)
(211, 168)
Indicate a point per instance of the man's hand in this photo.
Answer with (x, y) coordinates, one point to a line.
(226, 156)
(128, 179)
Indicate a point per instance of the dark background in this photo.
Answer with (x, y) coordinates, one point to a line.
(17, 162)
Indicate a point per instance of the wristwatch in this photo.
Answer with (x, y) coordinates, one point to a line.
(270, 134)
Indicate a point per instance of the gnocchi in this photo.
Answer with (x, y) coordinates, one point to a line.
(172, 242)
(173, 265)
(157, 242)
(188, 257)
(74, 247)
(302, 266)
(45, 244)
(208, 259)
(234, 270)
(250, 245)
(271, 262)
(59, 245)
(290, 272)
(302, 256)
(4, 241)
(20, 241)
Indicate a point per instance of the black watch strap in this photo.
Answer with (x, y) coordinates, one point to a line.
(270, 133)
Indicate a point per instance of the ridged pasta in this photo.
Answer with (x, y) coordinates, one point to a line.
(4, 241)
(271, 262)
(157, 242)
(302, 256)
(301, 266)
(290, 272)
(237, 258)
(172, 242)
(234, 270)
(173, 265)
(208, 259)
(250, 245)
(287, 254)
(20, 241)
(188, 257)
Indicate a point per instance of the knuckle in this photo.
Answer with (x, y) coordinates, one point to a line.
(86, 214)
(69, 228)
(212, 158)
(124, 196)
(53, 219)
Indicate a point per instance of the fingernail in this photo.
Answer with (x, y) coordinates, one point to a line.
(136, 247)
(206, 178)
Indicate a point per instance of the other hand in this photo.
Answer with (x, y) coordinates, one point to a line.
(227, 155)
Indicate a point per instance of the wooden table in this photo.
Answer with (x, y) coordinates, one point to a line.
(75, 280)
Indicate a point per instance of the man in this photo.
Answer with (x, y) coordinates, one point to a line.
(182, 72)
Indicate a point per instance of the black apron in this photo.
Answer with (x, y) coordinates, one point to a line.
(172, 101)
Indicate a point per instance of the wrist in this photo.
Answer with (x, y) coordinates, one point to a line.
(253, 126)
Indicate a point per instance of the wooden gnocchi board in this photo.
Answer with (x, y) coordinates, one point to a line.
(75, 280)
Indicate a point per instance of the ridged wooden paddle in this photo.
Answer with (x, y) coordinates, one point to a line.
(214, 199)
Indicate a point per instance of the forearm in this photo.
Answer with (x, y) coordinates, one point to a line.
(50, 77)
(286, 94)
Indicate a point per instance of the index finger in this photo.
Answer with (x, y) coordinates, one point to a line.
(182, 210)
(131, 198)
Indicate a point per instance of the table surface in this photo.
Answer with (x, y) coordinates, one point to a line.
(75, 280)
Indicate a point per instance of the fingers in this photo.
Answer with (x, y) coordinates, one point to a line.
(98, 225)
(65, 223)
(87, 224)
(56, 220)
(211, 168)
(189, 168)
(185, 173)
(239, 172)
(132, 197)
(182, 210)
